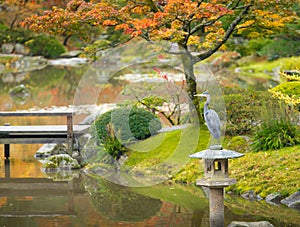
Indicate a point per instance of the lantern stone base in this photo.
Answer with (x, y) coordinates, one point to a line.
(216, 187)
(216, 207)
(216, 182)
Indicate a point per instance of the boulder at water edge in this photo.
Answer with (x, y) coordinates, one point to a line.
(60, 162)
(49, 149)
(250, 224)
(293, 201)
(274, 198)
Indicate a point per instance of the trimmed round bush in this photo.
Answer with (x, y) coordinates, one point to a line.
(46, 46)
(127, 124)
(289, 88)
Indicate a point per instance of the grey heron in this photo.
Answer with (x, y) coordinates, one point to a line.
(211, 118)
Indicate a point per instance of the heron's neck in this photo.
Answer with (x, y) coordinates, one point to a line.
(206, 104)
(206, 107)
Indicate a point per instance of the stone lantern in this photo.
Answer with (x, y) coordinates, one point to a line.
(216, 179)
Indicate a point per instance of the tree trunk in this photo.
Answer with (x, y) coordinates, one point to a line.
(191, 83)
(66, 39)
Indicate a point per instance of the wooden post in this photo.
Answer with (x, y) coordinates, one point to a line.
(70, 134)
(6, 151)
(6, 146)
(7, 168)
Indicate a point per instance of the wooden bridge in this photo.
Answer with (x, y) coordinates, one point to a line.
(28, 134)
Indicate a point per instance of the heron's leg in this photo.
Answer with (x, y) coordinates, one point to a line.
(215, 144)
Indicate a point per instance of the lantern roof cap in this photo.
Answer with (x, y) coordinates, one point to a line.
(216, 154)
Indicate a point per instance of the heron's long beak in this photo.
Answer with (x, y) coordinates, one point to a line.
(201, 95)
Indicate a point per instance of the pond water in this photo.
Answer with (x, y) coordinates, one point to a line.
(31, 197)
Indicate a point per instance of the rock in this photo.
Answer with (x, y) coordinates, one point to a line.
(50, 149)
(25, 64)
(238, 70)
(20, 94)
(72, 54)
(276, 73)
(7, 48)
(20, 90)
(295, 205)
(293, 201)
(250, 224)
(21, 63)
(21, 49)
(60, 175)
(68, 61)
(8, 77)
(60, 161)
(20, 77)
(274, 198)
(45, 150)
(250, 195)
(89, 119)
(82, 140)
(2, 68)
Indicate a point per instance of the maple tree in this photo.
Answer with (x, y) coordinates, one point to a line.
(198, 27)
(17, 10)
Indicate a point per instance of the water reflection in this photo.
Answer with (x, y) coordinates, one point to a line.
(48, 86)
(91, 201)
(118, 204)
(84, 201)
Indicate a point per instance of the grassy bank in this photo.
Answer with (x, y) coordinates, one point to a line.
(163, 155)
(267, 172)
(267, 66)
(262, 172)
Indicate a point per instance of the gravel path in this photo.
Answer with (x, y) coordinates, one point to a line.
(174, 127)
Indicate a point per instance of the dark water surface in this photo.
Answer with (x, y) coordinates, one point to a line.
(82, 200)
(30, 197)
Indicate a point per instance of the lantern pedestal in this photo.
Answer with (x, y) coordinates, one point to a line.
(216, 179)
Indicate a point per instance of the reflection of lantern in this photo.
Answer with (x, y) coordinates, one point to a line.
(216, 179)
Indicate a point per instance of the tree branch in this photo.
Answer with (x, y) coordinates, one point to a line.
(235, 5)
(229, 31)
(202, 25)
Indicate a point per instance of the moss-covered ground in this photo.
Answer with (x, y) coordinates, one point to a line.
(268, 172)
(262, 172)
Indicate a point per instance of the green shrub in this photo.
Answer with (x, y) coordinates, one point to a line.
(243, 110)
(129, 124)
(14, 36)
(255, 45)
(276, 134)
(111, 144)
(46, 46)
(281, 48)
(3, 27)
(249, 47)
(289, 92)
(289, 88)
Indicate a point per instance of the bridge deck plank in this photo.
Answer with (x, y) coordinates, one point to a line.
(38, 133)
(41, 129)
